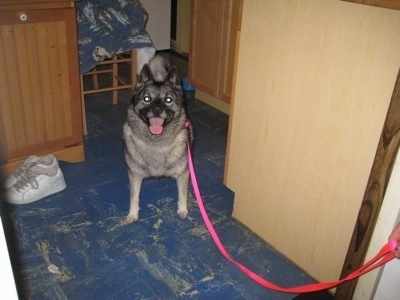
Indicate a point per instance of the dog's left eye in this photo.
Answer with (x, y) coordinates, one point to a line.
(146, 98)
(168, 100)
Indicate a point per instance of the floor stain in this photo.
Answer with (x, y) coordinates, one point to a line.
(60, 275)
(157, 224)
(207, 278)
(160, 272)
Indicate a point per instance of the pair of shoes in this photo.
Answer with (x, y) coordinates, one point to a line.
(35, 179)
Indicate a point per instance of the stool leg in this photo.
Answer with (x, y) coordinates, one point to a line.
(133, 68)
(115, 80)
(83, 107)
(95, 81)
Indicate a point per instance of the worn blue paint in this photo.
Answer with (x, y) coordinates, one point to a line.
(80, 230)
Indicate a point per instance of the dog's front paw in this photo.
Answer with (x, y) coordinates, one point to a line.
(182, 213)
(131, 218)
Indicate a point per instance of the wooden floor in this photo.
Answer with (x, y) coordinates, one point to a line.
(73, 245)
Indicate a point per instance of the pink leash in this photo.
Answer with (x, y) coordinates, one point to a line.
(383, 256)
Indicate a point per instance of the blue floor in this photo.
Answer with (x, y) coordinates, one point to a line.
(73, 245)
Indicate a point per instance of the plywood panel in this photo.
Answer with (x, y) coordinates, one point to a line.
(313, 86)
(392, 4)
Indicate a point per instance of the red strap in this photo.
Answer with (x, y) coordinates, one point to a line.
(383, 256)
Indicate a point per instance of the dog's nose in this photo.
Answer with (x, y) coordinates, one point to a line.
(157, 110)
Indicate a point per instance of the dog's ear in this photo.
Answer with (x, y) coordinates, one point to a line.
(145, 76)
(173, 76)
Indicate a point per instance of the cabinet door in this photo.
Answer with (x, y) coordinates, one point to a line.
(212, 46)
(205, 44)
(230, 27)
(40, 106)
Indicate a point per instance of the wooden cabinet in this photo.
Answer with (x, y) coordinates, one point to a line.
(213, 39)
(40, 102)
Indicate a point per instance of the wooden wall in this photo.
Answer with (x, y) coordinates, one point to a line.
(314, 80)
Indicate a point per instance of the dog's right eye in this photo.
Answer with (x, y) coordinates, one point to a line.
(146, 98)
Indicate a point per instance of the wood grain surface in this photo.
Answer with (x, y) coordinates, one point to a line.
(374, 193)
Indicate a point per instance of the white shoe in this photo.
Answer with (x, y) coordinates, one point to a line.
(36, 183)
(31, 161)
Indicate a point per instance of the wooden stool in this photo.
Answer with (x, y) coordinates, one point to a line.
(118, 83)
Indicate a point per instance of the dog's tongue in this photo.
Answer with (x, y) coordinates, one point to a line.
(156, 125)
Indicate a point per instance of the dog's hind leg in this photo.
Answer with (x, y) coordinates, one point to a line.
(182, 182)
(135, 184)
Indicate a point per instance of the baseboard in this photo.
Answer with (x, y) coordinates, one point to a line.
(72, 154)
(212, 101)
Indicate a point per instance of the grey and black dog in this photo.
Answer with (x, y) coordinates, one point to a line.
(156, 133)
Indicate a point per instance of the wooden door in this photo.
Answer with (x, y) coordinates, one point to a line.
(39, 86)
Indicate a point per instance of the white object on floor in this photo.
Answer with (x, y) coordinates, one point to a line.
(40, 180)
(7, 282)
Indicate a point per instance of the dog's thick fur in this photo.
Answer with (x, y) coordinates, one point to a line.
(155, 134)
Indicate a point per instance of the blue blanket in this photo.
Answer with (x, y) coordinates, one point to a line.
(109, 27)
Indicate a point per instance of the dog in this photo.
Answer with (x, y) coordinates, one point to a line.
(156, 133)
